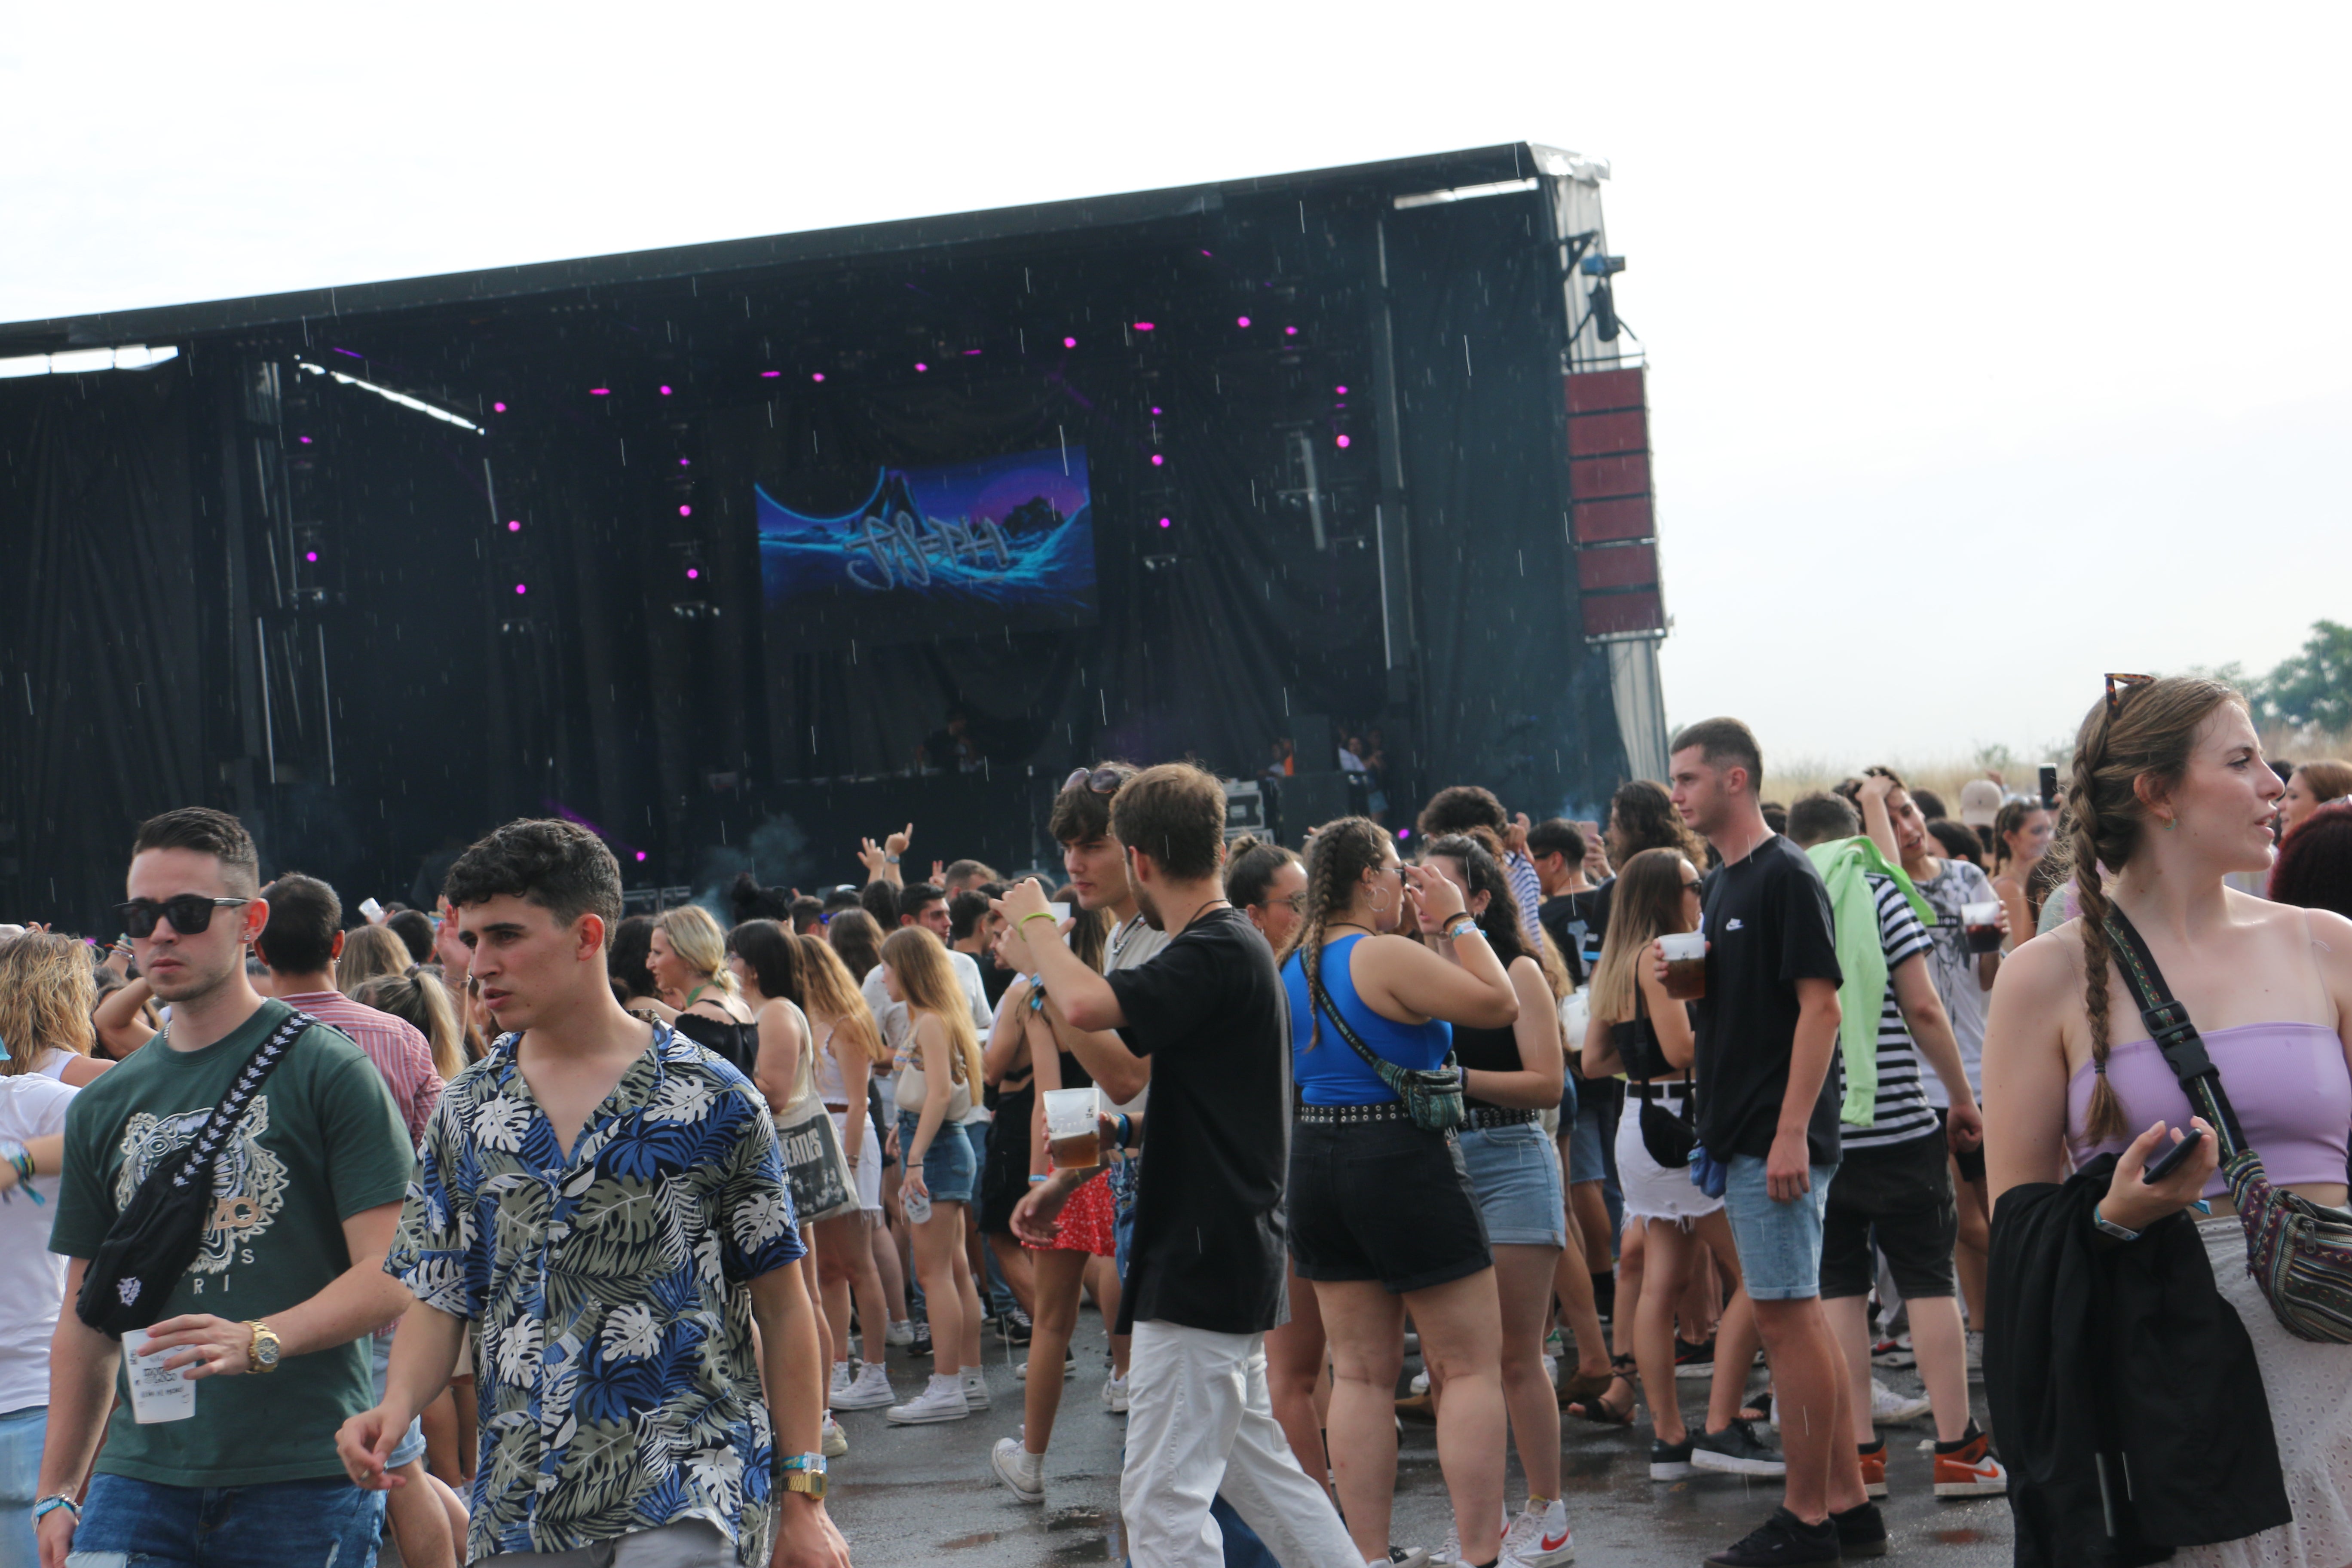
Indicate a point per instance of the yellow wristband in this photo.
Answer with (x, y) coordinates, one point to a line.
(1033, 915)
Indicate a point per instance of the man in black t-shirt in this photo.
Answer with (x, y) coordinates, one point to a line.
(1206, 1279)
(1767, 1029)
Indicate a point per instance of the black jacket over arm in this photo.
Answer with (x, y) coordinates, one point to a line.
(2122, 1387)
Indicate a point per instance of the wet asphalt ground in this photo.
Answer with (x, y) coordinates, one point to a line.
(909, 1495)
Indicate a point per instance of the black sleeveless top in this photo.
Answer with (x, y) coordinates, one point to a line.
(736, 1044)
(1487, 1050)
(1636, 1040)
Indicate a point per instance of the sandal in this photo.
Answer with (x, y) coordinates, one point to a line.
(1597, 1409)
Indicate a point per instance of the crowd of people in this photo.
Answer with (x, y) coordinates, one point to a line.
(522, 1231)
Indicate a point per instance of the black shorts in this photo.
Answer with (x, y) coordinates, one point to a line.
(1005, 1174)
(1385, 1201)
(1969, 1160)
(1899, 1198)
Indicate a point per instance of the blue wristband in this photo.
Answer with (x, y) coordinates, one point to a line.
(1036, 1180)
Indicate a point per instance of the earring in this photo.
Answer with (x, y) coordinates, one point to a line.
(1381, 907)
(2170, 823)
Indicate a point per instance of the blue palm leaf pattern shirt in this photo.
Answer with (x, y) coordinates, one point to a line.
(609, 1293)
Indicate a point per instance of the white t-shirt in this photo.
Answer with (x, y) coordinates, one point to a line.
(1955, 969)
(32, 1278)
(1132, 945)
(892, 1015)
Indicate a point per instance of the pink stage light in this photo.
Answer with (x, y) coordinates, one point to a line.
(514, 526)
(1163, 522)
(771, 374)
(1155, 410)
(692, 572)
(1156, 460)
(309, 556)
(689, 511)
(685, 462)
(641, 855)
(665, 392)
(600, 391)
(1143, 326)
(1343, 440)
(523, 587)
(818, 376)
(304, 439)
(1241, 321)
(1069, 342)
(920, 365)
(969, 352)
(497, 408)
(1341, 390)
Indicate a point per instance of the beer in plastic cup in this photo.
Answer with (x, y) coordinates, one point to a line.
(1071, 1131)
(1980, 923)
(1685, 964)
(156, 1393)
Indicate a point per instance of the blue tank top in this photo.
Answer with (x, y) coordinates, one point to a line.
(1330, 1073)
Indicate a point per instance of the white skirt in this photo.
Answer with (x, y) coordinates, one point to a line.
(2310, 1391)
(869, 1159)
(1651, 1190)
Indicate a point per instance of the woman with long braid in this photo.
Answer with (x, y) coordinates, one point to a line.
(2170, 794)
(1382, 1220)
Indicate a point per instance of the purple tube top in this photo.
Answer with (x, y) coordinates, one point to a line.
(2288, 1083)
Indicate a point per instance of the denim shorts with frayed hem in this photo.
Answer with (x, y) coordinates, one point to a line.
(1780, 1244)
(265, 1526)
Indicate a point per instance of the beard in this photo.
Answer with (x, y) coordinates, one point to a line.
(1150, 909)
(192, 983)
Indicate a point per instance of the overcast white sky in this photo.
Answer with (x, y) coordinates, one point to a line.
(1992, 348)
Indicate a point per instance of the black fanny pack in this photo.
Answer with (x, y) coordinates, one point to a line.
(160, 1229)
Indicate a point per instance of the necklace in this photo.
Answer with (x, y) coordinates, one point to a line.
(1127, 929)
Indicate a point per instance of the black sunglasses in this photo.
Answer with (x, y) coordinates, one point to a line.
(1693, 886)
(190, 913)
(1104, 780)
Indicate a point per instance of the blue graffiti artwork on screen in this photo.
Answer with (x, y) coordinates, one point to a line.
(1006, 542)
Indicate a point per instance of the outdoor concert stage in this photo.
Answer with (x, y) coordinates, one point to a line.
(704, 546)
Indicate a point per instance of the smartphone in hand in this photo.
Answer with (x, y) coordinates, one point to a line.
(2172, 1159)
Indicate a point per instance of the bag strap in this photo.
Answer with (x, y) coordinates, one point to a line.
(1385, 1069)
(2168, 1025)
(225, 1116)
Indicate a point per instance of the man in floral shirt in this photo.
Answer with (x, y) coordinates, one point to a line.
(604, 1202)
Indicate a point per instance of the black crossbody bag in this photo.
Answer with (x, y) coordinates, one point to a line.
(1669, 1138)
(157, 1235)
(1432, 1096)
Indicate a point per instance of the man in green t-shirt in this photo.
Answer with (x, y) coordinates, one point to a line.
(271, 1319)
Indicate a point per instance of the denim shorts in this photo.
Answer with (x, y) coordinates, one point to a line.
(1585, 1159)
(265, 1526)
(950, 1170)
(411, 1447)
(1515, 1175)
(1780, 1244)
(21, 1432)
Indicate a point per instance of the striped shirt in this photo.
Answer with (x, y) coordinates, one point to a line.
(1902, 1113)
(1527, 890)
(399, 1052)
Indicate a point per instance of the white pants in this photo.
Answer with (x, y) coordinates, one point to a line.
(1199, 1422)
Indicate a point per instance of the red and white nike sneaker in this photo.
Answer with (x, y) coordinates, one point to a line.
(1538, 1537)
(1971, 1471)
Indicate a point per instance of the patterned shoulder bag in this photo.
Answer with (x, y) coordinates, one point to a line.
(2298, 1252)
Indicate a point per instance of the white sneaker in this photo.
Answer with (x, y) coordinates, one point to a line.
(1539, 1538)
(840, 1384)
(1022, 1472)
(1420, 1384)
(975, 1389)
(1114, 1395)
(869, 1390)
(941, 1400)
(1551, 1370)
(901, 1332)
(1889, 1408)
(835, 1442)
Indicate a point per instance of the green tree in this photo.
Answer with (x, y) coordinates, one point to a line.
(2314, 685)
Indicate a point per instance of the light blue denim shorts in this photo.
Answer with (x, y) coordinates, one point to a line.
(1780, 1244)
(1515, 1176)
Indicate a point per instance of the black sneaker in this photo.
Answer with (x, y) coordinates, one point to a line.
(1670, 1461)
(1016, 1327)
(1862, 1532)
(1782, 1542)
(922, 1345)
(1694, 1361)
(1736, 1451)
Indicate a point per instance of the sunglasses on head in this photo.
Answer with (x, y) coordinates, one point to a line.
(190, 913)
(1104, 780)
(2122, 686)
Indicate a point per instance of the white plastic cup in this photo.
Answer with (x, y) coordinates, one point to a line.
(157, 1394)
(1685, 953)
(1060, 913)
(1071, 1130)
(1576, 1017)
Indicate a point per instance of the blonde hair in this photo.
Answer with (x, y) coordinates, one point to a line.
(369, 953)
(694, 937)
(45, 995)
(420, 999)
(828, 987)
(1646, 905)
(929, 985)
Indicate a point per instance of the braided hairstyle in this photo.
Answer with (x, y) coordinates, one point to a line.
(2146, 731)
(1337, 858)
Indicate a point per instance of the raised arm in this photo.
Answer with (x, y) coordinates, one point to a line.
(1670, 1021)
(122, 1026)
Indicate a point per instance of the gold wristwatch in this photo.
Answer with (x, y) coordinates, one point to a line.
(262, 1355)
(805, 1473)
